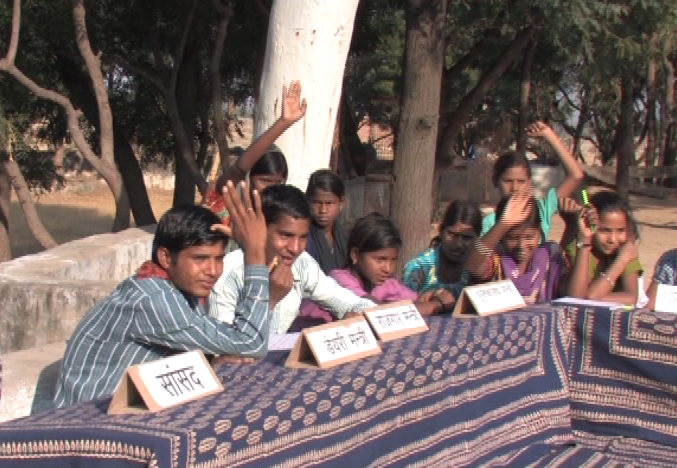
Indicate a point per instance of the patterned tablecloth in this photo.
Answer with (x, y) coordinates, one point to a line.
(499, 391)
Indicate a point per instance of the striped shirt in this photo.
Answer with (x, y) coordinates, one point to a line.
(666, 269)
(309, 283)
(148, 319)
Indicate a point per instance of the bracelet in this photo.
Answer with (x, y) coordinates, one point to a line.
(439, 301)
(482, 248)
(608, 278)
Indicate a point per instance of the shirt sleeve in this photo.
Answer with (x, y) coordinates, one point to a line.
(166, 319)
(487, 223)
(327, 293)
(414, 275)
(666, 269)
(226, 295)
(633, 267)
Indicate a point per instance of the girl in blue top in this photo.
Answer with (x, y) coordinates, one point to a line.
(512, 174)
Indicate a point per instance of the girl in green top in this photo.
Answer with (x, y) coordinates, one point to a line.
(512, 174)
(604, 257)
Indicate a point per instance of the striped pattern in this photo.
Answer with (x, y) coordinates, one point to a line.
(309, 283)
(666, 269)
(144, 320)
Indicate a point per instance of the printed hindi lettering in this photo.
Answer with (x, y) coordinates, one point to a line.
(358, 338)
(168, 382)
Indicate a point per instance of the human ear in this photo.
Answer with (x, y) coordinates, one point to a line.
(164, 257)
(354, 255)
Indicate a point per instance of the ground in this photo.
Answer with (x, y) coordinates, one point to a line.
(88, 209)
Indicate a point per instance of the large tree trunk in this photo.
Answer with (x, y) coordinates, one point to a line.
(135, 185)
(23, 194)
(5, 202)
(525, 96)
(445, 149)
(625, 139)
(411, 197)
(667, 106)
(308, 41)
(651, 130)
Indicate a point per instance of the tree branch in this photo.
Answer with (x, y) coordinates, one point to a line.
(14, 37)
(568, 99)
(148, 74)
(262, 8)
(181, 47)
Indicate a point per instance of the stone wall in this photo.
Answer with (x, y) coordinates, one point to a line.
(45, 295)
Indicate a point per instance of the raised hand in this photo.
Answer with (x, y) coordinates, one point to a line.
(248, 226)
(518, 209)
(587, 218)
(628, 252)
(539, 130)
(293, 107)
(569, 206)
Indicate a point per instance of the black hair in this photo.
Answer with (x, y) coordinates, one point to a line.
(534, 218)
(271, 163)
(507, 161)
(464, 212)
(281, 200)
(374, 232)
(607, 201)
(325, 179)
(186, 226)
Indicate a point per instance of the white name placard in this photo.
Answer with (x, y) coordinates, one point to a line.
(157, 385)
(489, 298)
(396, 320)
(666, 298)
(334, 343)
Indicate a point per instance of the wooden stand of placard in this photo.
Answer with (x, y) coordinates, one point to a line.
(488, 299)
(158, 385)
(332, 344)
(396, 320)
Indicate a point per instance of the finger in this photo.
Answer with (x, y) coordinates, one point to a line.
(222, 228)
(304, 105)
(273, 264)
(284, 91)
(258, 209)
(233, 203)
(247, 199)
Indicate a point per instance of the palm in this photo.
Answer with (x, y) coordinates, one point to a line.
(293, 107)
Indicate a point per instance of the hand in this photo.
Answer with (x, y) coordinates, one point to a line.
(540, 130)
(228, 359)
(587, 217)
(518, 209)
(628, 252)
(293, 107)
(281, 282)
(569, 206)
(349, 315)
(249, 224)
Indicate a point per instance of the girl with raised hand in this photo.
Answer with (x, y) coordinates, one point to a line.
(512, 174)
(513, 250)
(327, 242)
(265, 164)
(442, 265)
(605, 260)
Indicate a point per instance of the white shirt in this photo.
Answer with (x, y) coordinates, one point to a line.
(309, 283)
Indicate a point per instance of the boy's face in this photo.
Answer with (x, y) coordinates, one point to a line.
(287, 239)
(196, 268)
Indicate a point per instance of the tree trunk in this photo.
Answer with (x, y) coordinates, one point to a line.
(525, 96)
(625, 139)
(667, 106)
(5, 202)
(580, 127)
(445, 149)
(132, 176)
(411, 197)
(23, 194)
(308, 41)
(220, 125)
(651, 130)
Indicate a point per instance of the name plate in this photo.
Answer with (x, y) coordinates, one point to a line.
(157, 385)
(489, 298)
(334, 343)
(396, 320)
(666, 298)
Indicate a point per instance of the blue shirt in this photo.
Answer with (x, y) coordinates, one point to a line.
(547, 207)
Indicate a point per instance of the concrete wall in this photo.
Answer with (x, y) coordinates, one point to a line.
(45, 295)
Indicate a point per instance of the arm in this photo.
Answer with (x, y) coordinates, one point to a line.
(293, 109)
(414, 274)
(602, 287)
(652, 293)
(574, 173)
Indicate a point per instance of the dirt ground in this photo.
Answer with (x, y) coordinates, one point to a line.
(88, 210)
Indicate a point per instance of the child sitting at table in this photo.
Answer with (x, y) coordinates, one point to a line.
(442, 265)
(664, 273)
(512, 249)
(605, 260)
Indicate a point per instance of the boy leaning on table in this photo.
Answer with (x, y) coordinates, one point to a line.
(162, 309)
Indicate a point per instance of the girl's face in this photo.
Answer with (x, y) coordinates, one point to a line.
(376, 267)
(457, 241)
(261, 181)
(514, 179)
(611, 232)
(326, 207)
(521, 242)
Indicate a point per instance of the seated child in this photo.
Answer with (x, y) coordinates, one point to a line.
(512, 173)
(513, 250)
(665, 273)
(442, 265)
(605, 263)
(327, 242)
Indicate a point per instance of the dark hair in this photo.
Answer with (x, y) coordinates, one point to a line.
(373, 232)
(271, 163)
(534, 218)
(464, 212)
(607, 201)
(325, 179)
(281, 200)
(507, 161)
(186, 226)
